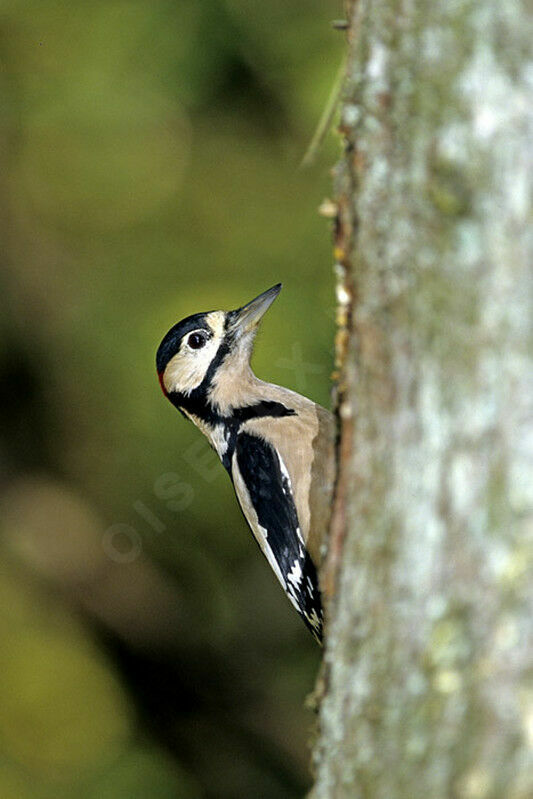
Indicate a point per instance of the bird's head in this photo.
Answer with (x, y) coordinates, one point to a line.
(198, 350)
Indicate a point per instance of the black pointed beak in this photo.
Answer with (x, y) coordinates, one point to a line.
(248, 317)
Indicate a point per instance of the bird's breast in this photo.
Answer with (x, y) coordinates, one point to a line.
(218, 434)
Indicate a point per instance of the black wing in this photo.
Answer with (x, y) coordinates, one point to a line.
(270, 495)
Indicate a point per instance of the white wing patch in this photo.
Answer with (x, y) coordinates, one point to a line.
(287, 487)
(295, 574)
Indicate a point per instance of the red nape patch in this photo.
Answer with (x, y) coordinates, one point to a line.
(163, 389)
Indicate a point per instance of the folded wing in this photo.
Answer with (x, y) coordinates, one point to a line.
(263, 487)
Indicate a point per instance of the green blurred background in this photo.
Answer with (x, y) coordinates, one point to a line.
(148, 170)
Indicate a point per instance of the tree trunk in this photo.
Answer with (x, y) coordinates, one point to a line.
(429, 650)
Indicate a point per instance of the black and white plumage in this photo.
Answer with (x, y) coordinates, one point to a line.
(276, 445)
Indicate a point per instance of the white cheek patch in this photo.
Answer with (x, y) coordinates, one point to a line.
(186, 370)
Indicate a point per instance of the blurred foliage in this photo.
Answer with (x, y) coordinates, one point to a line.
(148, 170)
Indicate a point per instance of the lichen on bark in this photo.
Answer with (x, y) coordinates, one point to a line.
(430, 634)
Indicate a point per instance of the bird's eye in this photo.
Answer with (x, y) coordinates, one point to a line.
(196, 341)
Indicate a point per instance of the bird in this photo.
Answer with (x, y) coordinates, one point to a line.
(276, 445)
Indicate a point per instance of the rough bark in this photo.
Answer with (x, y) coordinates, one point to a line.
(429, 651)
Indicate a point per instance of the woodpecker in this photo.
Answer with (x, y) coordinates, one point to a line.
(277, 446)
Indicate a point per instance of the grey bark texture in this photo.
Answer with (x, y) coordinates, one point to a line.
(428, 675)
